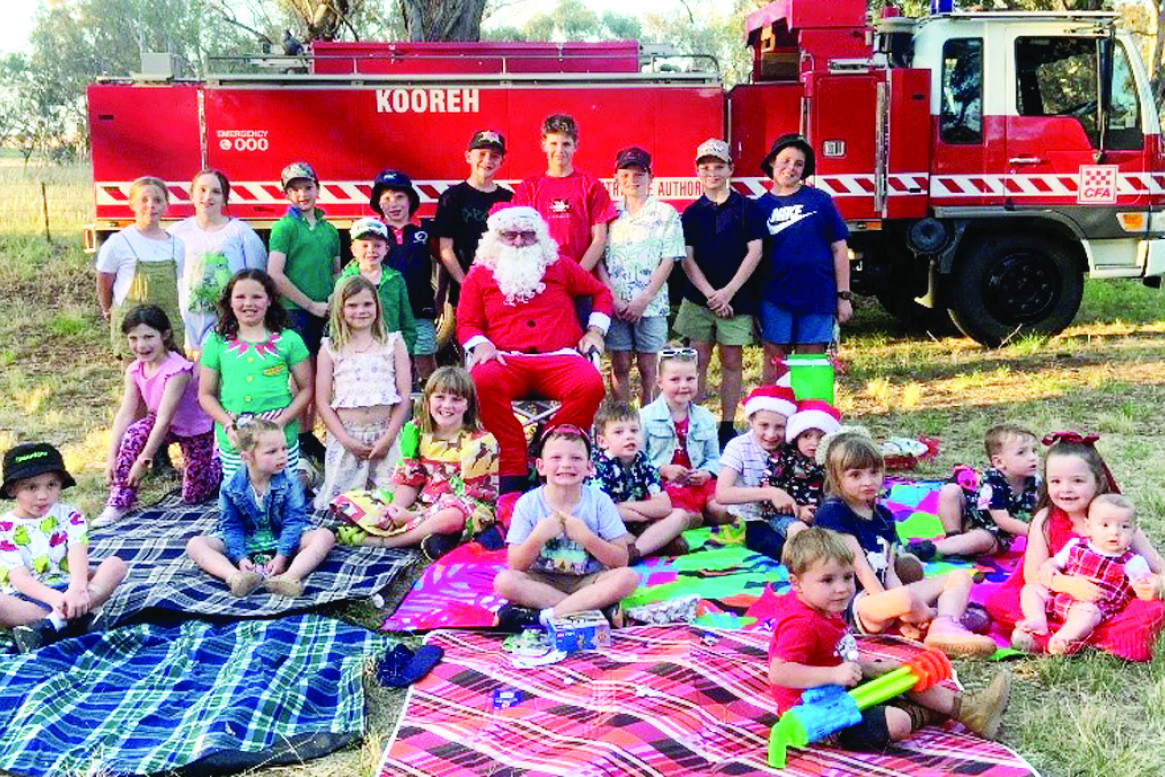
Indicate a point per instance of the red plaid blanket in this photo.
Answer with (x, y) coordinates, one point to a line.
(660, 701)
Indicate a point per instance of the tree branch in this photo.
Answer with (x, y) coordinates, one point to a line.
(229, 17)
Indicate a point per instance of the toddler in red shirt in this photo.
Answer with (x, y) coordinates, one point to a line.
(812, 646)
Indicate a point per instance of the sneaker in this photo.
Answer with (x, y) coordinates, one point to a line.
(310, 446)
(437, 545)
(32, 637)
(513, 618)
(976, 619)
(492, 538)
(924, 549)
(107, 516)
(243, 583)
(682, 610)
(982, 711)
(282, 585)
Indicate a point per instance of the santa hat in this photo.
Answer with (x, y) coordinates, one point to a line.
(775, 398)
(504, 216)
(813, 414)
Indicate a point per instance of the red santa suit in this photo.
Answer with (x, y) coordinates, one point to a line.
(538, 340)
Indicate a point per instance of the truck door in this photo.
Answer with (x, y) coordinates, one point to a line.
(1057, 153)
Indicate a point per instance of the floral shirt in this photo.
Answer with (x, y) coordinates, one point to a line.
(465, 468)
(635, 482)
(798, 476)
(40, 545)
(996, 493)
(636, 244)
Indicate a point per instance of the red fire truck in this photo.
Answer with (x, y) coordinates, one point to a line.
(985, 162)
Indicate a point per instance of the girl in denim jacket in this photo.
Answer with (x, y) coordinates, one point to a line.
(262, 516)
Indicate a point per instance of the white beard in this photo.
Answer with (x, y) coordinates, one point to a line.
(519, 271)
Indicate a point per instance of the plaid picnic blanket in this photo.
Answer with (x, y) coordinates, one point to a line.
(153, 543)
(737, 587)
(660, 701)
(145, 699)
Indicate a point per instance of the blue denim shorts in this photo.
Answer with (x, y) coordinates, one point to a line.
(778, 325)
(426, 337)
(649, 335)
(309, 327)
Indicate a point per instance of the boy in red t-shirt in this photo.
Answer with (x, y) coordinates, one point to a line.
(812, 646)
(575, 205)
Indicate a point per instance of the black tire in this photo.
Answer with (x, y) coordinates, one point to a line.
(1004, 287)
(900, 304)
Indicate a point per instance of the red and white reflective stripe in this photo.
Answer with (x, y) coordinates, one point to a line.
(270, 192)
(898, 185)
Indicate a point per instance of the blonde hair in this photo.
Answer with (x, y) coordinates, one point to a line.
(813, 546)
(1116, 500)
(998, 435)
(849, 450)
(149, 180)
(449, 380)
(339, 331)
(250, 429)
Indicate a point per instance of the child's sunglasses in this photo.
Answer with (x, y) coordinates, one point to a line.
(566, 430)
(678, 354)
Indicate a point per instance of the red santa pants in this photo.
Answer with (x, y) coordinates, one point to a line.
(571, 380)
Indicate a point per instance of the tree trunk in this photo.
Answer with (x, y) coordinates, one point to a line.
(442, 19)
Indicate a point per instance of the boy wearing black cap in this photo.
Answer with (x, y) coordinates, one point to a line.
(395, 199)
(807, 283)
(463, 209)
(45, 580)
(644, 242)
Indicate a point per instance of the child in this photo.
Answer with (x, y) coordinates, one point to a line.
(162, 384)
(643, 245)
(796, 471)
(680, 438)
(46, 586)
(624, 473)
(770, 513)
(463, 209)
(369, 247)
(567, 545)
(247, 362)
(1103, 555)
(812, 646)
(445, 486)
(722, 236)
(361, 386)
(141, 264)
(1003, 505)
(807, 284)
(854, 470)
(304, 263)
(262, 516)
(575, 205)
(1074, 474)
(217, 247)
(395, 199)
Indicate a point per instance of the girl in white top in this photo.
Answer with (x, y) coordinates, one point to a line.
(361, 381)
(217, 247)
(141, 264)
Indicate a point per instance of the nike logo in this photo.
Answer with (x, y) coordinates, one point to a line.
(776, 227)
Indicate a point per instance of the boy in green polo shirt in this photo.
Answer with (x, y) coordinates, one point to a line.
(304, 261)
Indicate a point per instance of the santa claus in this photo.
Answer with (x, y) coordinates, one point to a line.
(516, 319)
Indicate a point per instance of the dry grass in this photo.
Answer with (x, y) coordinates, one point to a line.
(1084, 716)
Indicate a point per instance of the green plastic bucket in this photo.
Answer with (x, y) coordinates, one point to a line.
(811, 376)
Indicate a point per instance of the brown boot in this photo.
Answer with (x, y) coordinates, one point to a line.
(243, 583)
(954, 640)
(982, 711)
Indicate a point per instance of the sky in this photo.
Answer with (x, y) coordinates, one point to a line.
(17, 15)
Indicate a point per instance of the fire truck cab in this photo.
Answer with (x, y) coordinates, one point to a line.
(987, 162)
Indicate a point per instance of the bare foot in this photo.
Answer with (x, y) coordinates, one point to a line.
(1022, 639)
(1033, 626)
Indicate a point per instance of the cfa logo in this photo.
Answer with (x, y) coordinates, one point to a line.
(1097, 185)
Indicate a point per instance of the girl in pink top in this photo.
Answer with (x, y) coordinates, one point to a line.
(165, 385)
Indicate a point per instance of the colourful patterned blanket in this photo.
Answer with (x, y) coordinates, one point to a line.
(736, 586)
(660, 701)
(153, 543)
(147, 699)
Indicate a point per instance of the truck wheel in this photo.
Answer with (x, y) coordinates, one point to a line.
(1005, 286)
(900, 304)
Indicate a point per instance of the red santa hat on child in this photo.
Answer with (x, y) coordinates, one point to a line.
(778, 399)
(813, 414)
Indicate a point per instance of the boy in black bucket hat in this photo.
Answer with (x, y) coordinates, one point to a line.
(46, 587)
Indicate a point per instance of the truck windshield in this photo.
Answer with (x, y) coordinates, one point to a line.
(1060, 76)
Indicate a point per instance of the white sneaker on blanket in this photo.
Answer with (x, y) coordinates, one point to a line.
(682, 610)
(107, 516)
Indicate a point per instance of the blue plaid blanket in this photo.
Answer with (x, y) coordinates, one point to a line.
(153, 543)
(147, 698)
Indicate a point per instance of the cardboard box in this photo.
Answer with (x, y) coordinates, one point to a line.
(585, 630)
